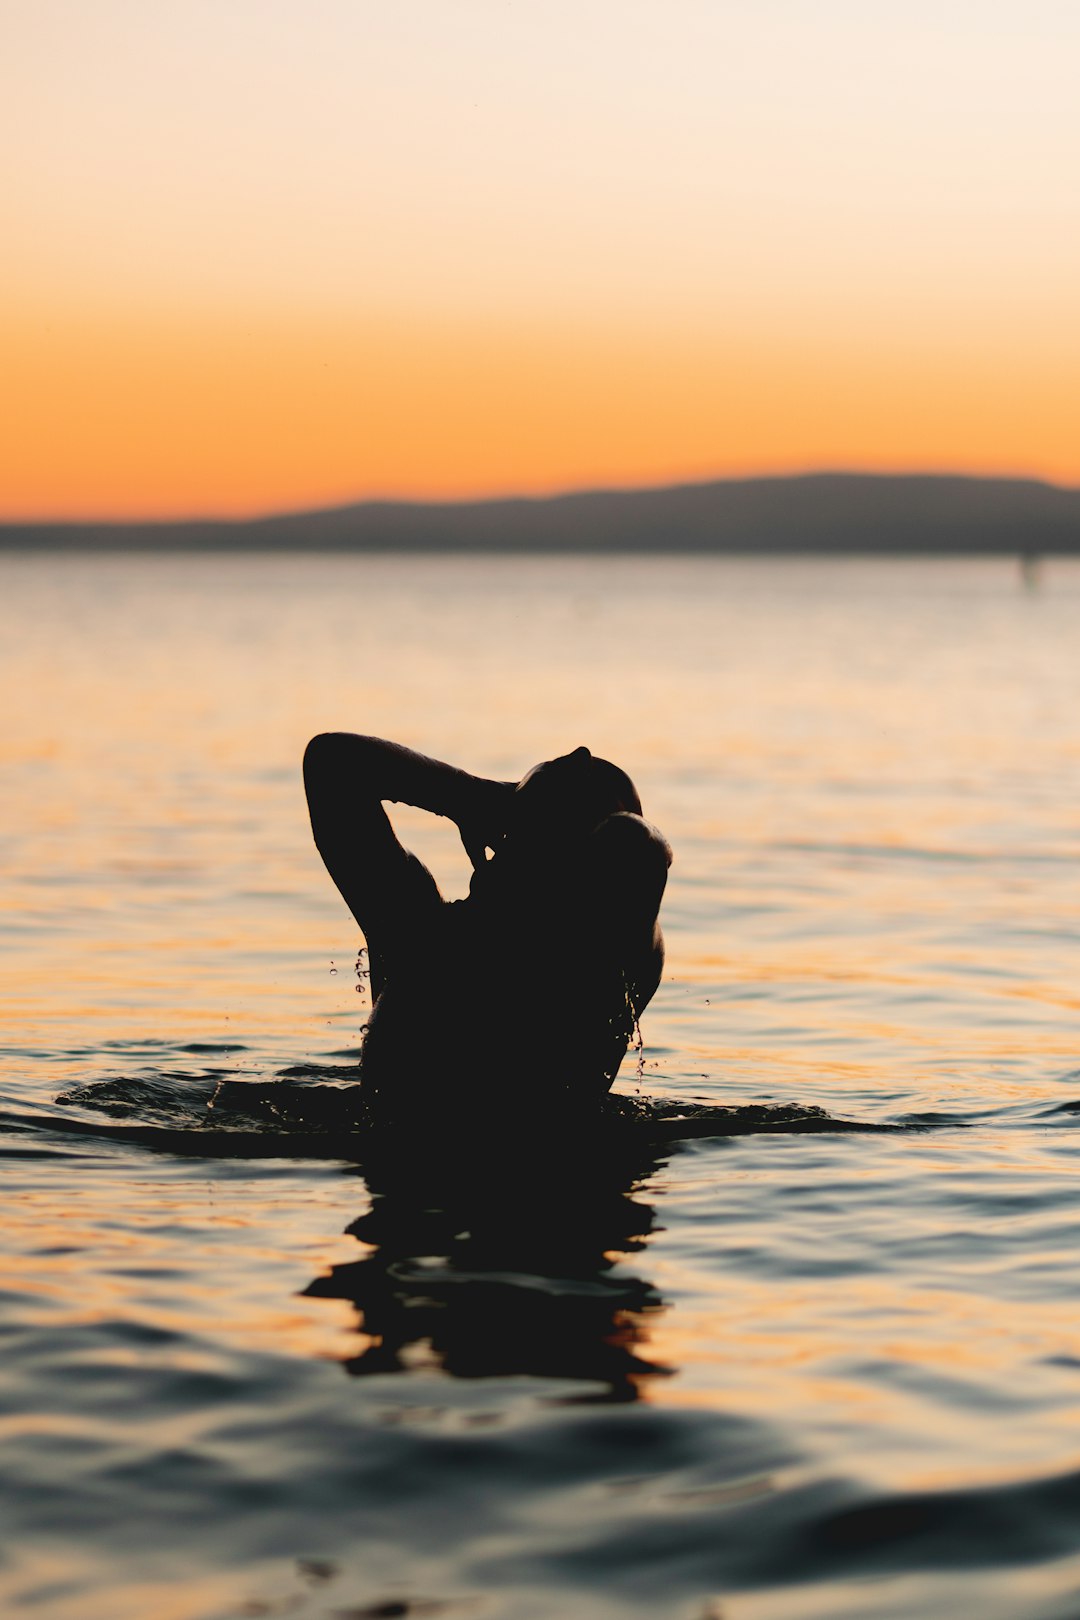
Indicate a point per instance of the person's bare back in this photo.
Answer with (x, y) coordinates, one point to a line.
(536, 978)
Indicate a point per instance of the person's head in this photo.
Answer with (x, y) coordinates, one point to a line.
(567, 797)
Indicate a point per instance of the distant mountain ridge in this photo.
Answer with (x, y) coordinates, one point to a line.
(808, 513)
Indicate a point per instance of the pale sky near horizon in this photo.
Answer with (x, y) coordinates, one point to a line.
(262, 253)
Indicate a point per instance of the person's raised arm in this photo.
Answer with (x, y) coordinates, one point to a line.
(347, 776)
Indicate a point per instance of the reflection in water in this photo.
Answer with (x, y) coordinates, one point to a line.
(870, 771)
(484, 1266)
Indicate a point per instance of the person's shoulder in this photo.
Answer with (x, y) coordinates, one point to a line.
(627, 832)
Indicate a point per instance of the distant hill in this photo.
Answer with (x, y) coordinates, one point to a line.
(845, 513)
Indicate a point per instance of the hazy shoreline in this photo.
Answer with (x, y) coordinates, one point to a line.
(827, 513)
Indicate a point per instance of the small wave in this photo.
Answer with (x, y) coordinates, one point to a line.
(215, 1047)
(923, 852)
(1015, 1522)
(170, 1098)
(675, 1121)
(317, 1110)
(200, 1143)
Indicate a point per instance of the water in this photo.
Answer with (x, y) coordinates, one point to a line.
(798, 1373)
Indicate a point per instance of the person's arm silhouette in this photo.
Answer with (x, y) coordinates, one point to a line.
(347, 779)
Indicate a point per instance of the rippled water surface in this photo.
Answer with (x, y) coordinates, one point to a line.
(253, 1366)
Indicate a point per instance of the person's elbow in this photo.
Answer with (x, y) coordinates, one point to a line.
(327, 756)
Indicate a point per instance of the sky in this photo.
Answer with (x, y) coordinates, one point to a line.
(270, 254)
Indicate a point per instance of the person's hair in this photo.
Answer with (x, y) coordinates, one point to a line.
(572, 795)
(611, 785)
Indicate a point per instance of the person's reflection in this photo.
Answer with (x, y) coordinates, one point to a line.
(496, 1264)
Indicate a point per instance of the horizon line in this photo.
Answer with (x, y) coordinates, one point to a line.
(526, 497)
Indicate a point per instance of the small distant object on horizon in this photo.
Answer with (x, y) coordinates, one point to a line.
(1030, 569)
(846, 514)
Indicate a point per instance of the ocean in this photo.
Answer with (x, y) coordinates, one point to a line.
(797, 1372)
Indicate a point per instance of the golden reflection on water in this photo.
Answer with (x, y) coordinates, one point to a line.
(138, 1274)
(869, 776)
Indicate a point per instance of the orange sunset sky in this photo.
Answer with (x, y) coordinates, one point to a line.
(275, 253)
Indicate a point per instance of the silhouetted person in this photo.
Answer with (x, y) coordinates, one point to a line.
(538, 976)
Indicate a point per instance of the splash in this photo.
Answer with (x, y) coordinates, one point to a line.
(637, 1040)
(318, 1110)
(363, 975)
